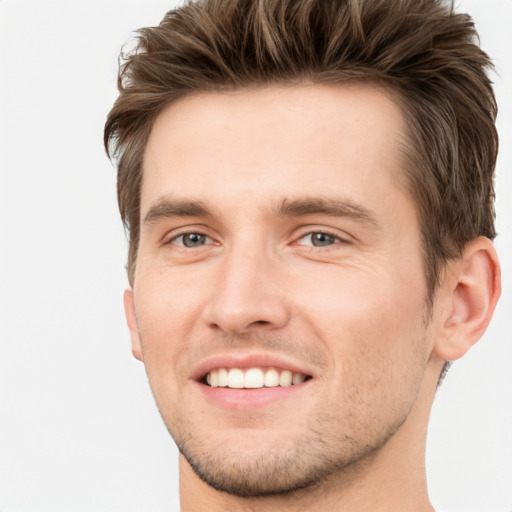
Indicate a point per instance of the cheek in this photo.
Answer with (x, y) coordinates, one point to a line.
(167, 308)
(369, 321)
(374, 335)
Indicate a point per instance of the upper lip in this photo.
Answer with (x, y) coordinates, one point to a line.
(250, 360)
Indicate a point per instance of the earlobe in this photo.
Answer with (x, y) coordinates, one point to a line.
(131, 320)
(473, 288)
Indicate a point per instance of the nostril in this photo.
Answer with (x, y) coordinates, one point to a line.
(235, 314)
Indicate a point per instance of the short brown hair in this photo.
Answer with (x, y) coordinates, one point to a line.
(423, 52)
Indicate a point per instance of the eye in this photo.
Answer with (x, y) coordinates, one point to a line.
(191, 240)
(318, 239)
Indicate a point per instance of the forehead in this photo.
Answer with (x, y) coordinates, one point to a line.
(274, 142)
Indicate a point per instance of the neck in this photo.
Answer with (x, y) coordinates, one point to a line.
(393, 478)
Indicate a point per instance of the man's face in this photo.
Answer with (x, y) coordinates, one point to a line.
(277, 241)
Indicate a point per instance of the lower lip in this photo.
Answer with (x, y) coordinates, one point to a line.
(249, 398)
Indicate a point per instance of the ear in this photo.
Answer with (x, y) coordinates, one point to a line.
(131, 320)
(471, 290)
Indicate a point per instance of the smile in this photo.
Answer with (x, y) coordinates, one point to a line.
(253, 378)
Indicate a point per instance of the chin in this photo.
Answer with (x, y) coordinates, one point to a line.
(279, 468)
(246, 476)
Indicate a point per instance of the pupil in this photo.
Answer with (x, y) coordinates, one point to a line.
(322, 239)
(193, 240)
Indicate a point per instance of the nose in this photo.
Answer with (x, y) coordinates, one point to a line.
(247, 295)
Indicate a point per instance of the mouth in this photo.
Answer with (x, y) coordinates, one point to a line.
(252, 378)
(248, 381)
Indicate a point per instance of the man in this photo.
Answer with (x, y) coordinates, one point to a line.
(308, 188)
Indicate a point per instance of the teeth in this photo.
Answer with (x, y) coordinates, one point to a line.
(271, 378)
(235, 378)
(222, 378)
(298, 378)
(285, 379)
(253, 378)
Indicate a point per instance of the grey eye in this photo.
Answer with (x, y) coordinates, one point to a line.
(322, 239)
(318, 239)
(191, 240)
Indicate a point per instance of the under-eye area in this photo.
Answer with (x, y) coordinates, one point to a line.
(253, 378)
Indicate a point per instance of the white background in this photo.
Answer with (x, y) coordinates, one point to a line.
(78, 427)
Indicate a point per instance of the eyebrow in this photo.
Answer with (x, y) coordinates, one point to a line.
(327, 206)
(166, 208)
(335, 207)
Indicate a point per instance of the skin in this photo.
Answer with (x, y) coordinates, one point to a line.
(269, 167)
